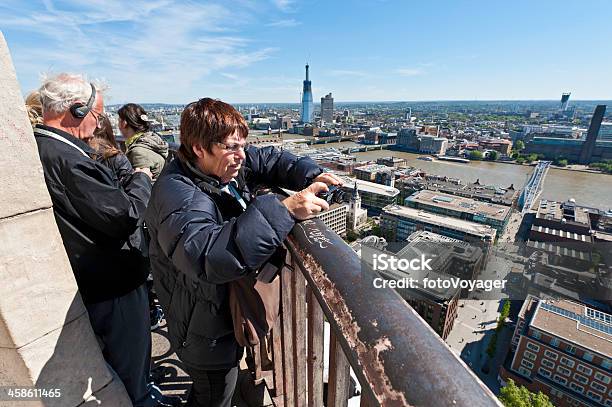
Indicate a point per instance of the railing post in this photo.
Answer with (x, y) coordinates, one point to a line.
(287, 337)
(299, 337)
(339, 374)
(277, 357)
(316, 325)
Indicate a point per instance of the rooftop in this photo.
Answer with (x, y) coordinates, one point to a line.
(471, 228)
(461, 204)
(371, 187)
(562, 234)
(553, 210)
(575, 323)
(426, 236)
(374, 168)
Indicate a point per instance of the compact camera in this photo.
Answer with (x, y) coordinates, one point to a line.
(335, 194)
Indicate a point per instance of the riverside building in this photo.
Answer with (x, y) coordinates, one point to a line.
(399, 222)
(496, 216)
(564, 349)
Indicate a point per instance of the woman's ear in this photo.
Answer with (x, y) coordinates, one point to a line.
(198, 150)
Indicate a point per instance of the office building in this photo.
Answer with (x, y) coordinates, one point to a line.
(407, 140)
(394, 162)
(586, 152)
(564, 349)
(327, 108)
(502, 146)
(374, 197)
(307, 104)
(564, 101)
(433, 145)
(454, 186)
(605, 132)
(496, 216)
(335, 218)
(373, 136)
(451, 256)
(377, 173)
(399, 222)
(437, 306)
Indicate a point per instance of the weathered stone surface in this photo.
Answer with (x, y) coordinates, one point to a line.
(22, 187)
(38, 292)
(46, 340)
(65, 359)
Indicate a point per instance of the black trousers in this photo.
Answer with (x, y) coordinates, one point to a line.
(212, 388)
(123, 328)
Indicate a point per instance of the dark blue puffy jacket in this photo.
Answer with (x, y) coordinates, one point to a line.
(201, 240)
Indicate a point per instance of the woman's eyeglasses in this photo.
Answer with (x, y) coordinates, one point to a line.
(234, 148)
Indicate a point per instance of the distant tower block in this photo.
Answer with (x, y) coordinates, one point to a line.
(307, 105)
(565, 101)
(327, 108)
(586, 154)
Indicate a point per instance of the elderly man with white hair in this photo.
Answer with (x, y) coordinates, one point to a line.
(100, 223)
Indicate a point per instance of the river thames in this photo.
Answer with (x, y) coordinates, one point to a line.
(589, 189)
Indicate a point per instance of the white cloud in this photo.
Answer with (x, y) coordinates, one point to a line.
(409, 71)
(284, 23)
(284, 5)
(147, 51)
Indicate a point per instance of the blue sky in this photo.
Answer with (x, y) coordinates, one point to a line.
(254, 51)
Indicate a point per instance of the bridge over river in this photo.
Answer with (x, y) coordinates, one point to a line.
(533, 188)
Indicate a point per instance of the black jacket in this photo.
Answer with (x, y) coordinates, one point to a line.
(120, 166)
(98, 218)
(201, 239)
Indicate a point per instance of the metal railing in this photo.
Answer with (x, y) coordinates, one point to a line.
(397, 358)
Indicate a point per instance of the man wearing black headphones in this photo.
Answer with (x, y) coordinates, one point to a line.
(99, 221)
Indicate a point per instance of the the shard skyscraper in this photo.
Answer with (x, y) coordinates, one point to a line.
(307, 105)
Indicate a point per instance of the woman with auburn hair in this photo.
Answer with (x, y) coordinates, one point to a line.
(109, 154)
(144, 148)
(209, 228)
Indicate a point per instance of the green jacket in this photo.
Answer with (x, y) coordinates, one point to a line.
(147, 150)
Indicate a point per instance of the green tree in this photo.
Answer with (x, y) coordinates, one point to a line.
(520, 160)
(505, 312)
(519, 145)
(476, 155)
(512, 395)
(531, 158)
(351, 236)
(493, 155)
(492, 345)
(376, 231)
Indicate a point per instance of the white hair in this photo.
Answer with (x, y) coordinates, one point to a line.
(59, 92)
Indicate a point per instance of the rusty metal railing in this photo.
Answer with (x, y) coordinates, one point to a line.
(397, 358)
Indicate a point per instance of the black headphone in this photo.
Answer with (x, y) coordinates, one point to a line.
(80, 110)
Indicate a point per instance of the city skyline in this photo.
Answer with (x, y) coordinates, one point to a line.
(372, 51)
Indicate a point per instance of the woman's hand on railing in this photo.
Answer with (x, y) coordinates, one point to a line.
(329, 179)
(305, 204)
